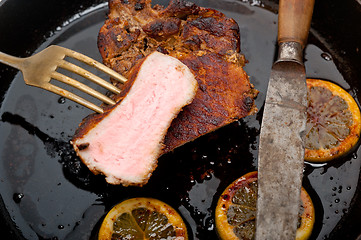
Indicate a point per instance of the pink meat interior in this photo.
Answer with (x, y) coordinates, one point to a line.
(127, 142)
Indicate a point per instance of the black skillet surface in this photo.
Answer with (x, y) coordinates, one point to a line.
(46, 193)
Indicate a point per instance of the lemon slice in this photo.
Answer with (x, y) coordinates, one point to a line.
(236, 211)
(143, 218)
(333, 121)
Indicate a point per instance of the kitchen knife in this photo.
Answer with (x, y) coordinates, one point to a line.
(281, 148)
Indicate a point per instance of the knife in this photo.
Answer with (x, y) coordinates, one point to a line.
(281, 148)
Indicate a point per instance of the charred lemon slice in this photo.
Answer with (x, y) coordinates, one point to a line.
(333, 121)
(236, 211)
(143, 218)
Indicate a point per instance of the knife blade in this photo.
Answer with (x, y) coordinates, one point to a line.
(281, 148)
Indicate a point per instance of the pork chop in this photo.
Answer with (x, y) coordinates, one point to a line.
(204, 39)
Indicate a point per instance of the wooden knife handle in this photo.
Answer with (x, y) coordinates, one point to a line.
(294, 20)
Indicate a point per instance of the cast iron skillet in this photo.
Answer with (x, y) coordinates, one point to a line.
(220, 156)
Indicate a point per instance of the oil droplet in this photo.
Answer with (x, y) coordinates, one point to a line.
(208, 176)
(61, 226)
(209, 223)
(348, 188)
(61, 100)
(326, 56)
(256, 3)
(337, 200)
(336, 212)
(17, 197)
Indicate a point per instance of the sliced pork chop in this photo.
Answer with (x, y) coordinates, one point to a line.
(125, 141)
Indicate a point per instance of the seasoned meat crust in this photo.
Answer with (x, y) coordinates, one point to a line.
(203, 39)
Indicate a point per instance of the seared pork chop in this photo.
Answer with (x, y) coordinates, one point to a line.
(203, 39)
(125, 141)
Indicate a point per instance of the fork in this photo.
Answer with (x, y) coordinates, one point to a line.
(39, 69)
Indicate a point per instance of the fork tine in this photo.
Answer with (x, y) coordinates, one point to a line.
(82, 87)
(73, 97)
(91, 62)
(88, 75)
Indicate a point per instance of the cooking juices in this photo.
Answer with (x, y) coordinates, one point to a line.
(50, 194)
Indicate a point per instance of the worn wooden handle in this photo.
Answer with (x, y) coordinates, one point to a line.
(294, 20)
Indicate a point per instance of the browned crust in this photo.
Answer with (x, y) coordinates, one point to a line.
(124, 38)
(217, 102)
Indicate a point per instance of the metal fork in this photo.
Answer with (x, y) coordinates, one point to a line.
(39, 69)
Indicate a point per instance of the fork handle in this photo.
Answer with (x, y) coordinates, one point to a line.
(11, 60)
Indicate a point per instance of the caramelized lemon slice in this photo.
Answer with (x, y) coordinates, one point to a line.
(236, 211)
(333, 121)
(143, 218)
